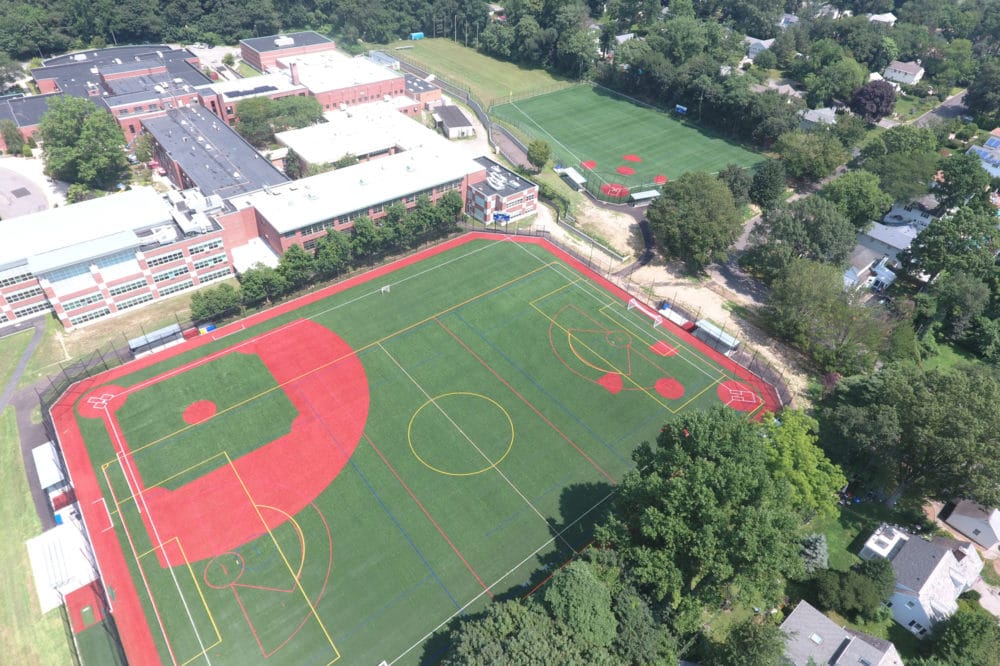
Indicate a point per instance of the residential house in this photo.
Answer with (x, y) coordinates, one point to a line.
(888, 19)
(810, 118)
(977, 522)
(868, 268)
(989, 154)
(780, 88)
(831, 12)
(787, 20)
(930, 575)
(755, 46)
(906, 73)
(813, 638)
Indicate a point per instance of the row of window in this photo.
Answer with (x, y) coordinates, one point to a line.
(214, 275)
(210, 261)
(3, 318)
(170, 275)
(165, 258)
(134, 301)
(24, 295)
(134, 285)
(32, 309)
(89, 316)
(205, 247)
(15, 279)
(68, 272)
(115, 259)
(83, 301)
(176, 287)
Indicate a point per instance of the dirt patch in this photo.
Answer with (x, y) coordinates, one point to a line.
(618, 230)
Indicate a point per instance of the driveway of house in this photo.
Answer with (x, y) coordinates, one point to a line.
(24, 187)
(989, 597)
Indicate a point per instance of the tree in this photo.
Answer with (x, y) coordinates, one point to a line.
(12, 137)
(333, 253)
(580, 600)
(694, 219)
(296, 266)
(768, 184)
(790, 441)
(262, 283)
(253, 120)
(835, 81)
(810, 308)
(700, 516)
(294, 165)
(229, 60)
(641, 638)
(965, 242)
(960, 300)
(538, 153)
(983, 95)
(82, 143)
(970, 636)
(935, 433)
(874, 101)
(810, 155)
(815, 553)
(143, 148)
(364, 238)
(345, 160)
(858, 196)
(962, 177)
(295, 111)
(10, 71)
(738, 180)
(859, 592)
(904, 176)
(753, 642)
(214, 302)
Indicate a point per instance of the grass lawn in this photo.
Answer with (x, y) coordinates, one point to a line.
(245, 70)
(989, 574)
(11, 348)
(491, 81)
(298, 494)
(587, 123)
(27, 636)
(948, 357)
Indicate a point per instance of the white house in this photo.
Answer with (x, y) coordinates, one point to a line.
(977, 522)
(930, 575)
(906, 73)
(888, 19)
(787, 20)
(868, 268)
(755, 46)
(810, 118)
(813, 638)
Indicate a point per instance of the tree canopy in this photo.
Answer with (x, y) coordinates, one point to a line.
(82, 144)
(694, 219)
(810, 155)
(859, 196)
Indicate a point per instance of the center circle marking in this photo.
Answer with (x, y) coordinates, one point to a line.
(435, 404)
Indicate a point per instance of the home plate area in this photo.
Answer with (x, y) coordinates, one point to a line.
(738, 396)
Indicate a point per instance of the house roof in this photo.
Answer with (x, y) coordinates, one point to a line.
(825, 116)
(862, 257)
(500, 181)
(917, 560)
(291, 39)
(887, 17)
(971, 509)
(624, 37)
(452, 116)
(909, 67)
(766, 43)
(416, 85)
(26, 111)
(211, 153)
(810, 635)
(897, 237)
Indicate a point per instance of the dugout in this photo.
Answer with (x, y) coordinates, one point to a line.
(715, 337)
(643, 198)
(574, 179)
(158, 339)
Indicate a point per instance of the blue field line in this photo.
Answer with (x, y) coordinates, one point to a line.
(371, 617)
(558, 485)
(385, 507)
(541, 388)
(507, 322)
(385, 382)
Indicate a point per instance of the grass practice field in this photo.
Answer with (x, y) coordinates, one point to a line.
(593, 129)
(336, 478)
(489, 80)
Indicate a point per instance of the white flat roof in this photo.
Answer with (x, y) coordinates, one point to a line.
(67, 226)
(47, 465)
(256, 251)
(359, 130)
(60, 562)
(332, 70)
(328, 195)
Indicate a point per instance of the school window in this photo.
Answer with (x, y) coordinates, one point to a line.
(16, 279)
(32, 309)
(176, 287)
(89, 316)
(134, 301)
(214, 275)
(170, 275)
(165, 258)
(115, 259)
(25, 295)
(82, 302)
(210, 261)
(910, 604)
(205, 247)
(311, 244)
(135, 285)
(68, 272)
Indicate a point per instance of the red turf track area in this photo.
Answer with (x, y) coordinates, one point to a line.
(326, 383)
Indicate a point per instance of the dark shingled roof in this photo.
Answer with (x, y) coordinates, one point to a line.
(211, 153)
(264, 44)
(416, 85)
(452, 116)
(26, 111)
(77, 78)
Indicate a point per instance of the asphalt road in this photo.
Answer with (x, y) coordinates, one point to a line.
(953, 107)
(19, 195)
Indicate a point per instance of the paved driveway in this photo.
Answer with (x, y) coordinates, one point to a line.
(19, 195)
(953, 107)
(989, 596)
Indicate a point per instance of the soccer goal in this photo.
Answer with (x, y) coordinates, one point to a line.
(634, 304)
(385, 289)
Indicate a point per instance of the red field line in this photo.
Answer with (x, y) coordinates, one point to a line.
(133, 626)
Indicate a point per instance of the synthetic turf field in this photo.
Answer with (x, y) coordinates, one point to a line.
(586, 124)
(337, 477)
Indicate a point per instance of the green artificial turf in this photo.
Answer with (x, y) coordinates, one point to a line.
(507, 392)
(590, 123)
